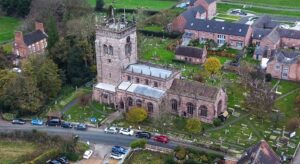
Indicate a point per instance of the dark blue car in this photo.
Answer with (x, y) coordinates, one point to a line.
(119, 149)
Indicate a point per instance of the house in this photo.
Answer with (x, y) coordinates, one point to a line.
(234, 34)
(259, 153)
(31, 43)
(198, 9)
(285, 64)
(191, 54)
(124, 82)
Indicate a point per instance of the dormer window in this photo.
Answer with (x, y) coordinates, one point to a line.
(192, 24)
(207, 26)
(259, 36)
(223, 28)
(240, 30)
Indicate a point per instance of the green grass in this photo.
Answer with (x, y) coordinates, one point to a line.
(78, 113)
(147, 157)
(136, 4)
(7, 27)
(12, 150)
(155, 28)
(221, 58)
(223, 8)
(276, 3)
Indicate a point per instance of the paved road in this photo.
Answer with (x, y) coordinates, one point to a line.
(94, 135)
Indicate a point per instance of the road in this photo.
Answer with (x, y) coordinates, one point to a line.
(94, 135)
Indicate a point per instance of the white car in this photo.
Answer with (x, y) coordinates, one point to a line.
(116, 156)
(126, 131)
(87, 154)
(111, 130)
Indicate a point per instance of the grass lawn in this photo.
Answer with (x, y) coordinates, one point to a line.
(7, 27)
(227, 18)
(155, 28)
(10, 150)
(221, 58)
(136, 4)
(147, 157)
(78, 113)
(276, 3)
(223, 8)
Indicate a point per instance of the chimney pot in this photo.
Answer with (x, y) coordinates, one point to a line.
(39, 26)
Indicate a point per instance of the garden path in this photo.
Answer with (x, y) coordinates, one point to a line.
(70, 105)
(228, 123)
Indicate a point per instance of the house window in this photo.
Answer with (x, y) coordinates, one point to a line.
(105, 96)
(128, 78)
(109, 60)
(138, 103)
(190, 108)
(174, 105)
(277, 67)
(137, 80)
(150, 107)
(146, 82)
(202, 40)
(111, 50)
(105, 49)
(203, 111)
(221, 40)
(129, 101)
(239, 44)
(257, 44)
(155, 84)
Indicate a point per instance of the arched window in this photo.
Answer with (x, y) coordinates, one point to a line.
(138, 103)
(105, 49)
(219, 108)
(121, 105)
(128, 46)
(129, 101)
(137, 80)
(174, 105)
(203, 111)
(150, 107)
(128, 39)
(190, 108)
(111, 50)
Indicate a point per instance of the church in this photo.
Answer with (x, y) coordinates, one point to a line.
(124, 82)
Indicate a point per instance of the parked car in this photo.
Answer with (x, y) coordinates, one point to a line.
(37, 122)
(63, 160)
(163, 139)
(87, 154)
(66, 125)
(146, 135)
(116, 156)
(18, 121)
(53, 122)
(111, 130)
(53, 162)
(81, 127)
(119, 149)
(126, 131)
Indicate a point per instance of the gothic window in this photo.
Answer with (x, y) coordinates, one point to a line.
(129, 101)
(203, 111)
(155, 84)
(105, 96)
(111, 50)
(128, 78)
(150, 107)
(190, 108)
(174, 105)
(138, 103)
(146, 82)
(219, 107)
(105, 49)
(137, 80)
(128, 47)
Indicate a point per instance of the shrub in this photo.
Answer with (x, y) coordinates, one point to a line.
(136, 115)
(138, 144)
(181, 153)
(293, 124)
(268, 77)
(8, 116)
(72, 156)
(217, 122)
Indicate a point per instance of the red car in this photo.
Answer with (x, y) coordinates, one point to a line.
(163, 139)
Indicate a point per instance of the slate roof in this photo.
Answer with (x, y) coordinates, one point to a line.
(273, 36)
(287, 33)
(287, 56)
(34, 37)
(190, 14)
(260, 33)
(210, 1)
(213, 26)
(189, 51)
(265, 22)
(193, 89)
(259, 154)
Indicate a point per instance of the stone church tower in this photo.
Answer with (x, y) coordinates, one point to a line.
(116, 48)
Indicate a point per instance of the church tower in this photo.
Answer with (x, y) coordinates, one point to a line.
(116, 48)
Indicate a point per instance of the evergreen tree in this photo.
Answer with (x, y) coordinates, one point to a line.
(52, 32)
(99, 5)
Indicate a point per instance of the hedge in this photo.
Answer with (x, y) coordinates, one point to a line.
(171, 35)
(8, 116)
(138, 143)
(52, 153)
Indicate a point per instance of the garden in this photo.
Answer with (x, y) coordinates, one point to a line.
(8, 25)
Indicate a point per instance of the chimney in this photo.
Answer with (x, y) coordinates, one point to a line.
(19, 37)
(39, 26)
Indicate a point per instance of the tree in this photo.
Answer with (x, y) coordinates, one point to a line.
(19, 8)
(212, 65)
(297, 105)
(52, 32)
(193, 125)
(45, 73)
(99, 5)
(4, 63)
(293, 124)
(136, 115)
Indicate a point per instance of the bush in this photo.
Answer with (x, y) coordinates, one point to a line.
(138, 144)
(293, 124)
(180, 154)
(71, 156)
(268, 77)
(217, 122)
(52, 153)
(8, 116)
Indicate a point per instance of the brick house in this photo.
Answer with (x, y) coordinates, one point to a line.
(191, 54)
(234, 34)
(198, 9)
(123, 82)
(31, 43)
(285, 64)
